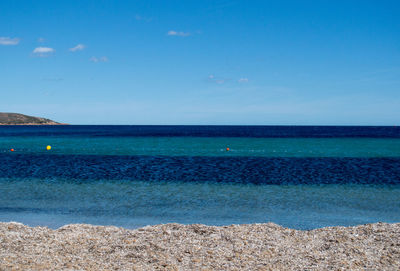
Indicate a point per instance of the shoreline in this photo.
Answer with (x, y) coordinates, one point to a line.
(199, 247)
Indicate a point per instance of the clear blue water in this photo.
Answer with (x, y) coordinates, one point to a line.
(131, 176)
(205, 146)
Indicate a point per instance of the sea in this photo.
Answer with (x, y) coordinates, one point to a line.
(301, 177)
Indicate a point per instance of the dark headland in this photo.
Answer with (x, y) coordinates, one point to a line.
(20, 119)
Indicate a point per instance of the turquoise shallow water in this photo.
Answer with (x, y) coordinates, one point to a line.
(55, 202)
(206, 146)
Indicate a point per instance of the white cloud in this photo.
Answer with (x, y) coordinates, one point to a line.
(180, 34)
(243, 80)
(94, 59)
(142, 18)
(217, 80)
(41, 40)
(8, 41)
(53, 79)
(43, 50)
(98, 59)
(79, 47)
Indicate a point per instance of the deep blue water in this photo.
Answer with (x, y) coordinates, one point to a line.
(244, 170)
(297, 176)
(203, 131)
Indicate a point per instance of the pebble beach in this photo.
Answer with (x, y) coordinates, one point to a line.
(199, 247)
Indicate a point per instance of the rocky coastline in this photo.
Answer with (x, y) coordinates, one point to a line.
(20, 119)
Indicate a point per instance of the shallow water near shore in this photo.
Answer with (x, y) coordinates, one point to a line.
(133, 204)
(132, 176)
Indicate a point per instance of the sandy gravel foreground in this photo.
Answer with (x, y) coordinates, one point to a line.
(199, 247)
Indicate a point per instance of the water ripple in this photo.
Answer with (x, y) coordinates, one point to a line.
(256, 170)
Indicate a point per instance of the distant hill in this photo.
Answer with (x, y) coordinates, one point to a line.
(20, 119)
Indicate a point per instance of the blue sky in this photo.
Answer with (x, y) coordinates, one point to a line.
(202, 62)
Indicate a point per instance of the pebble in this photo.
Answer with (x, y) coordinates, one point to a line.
(199, 247)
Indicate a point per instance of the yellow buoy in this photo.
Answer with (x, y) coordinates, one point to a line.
(48, 147)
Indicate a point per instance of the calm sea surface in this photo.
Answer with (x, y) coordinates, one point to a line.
(297, 176)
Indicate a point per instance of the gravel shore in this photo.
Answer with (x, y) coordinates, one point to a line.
(199, 247)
